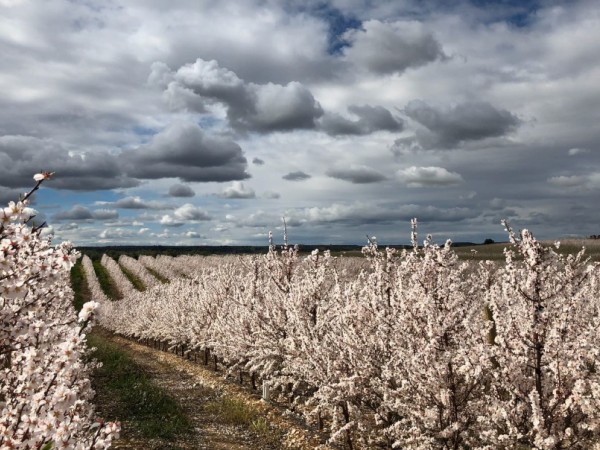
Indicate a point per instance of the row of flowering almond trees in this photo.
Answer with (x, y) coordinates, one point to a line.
(418, 351)
(45, 389)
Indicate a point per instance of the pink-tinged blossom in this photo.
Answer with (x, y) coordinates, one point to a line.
(42, 176)
(45, 391)
(410, 349)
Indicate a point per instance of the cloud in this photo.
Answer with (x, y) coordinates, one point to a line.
(183, 214)
(589, 181)
(250, 107)
(271, 195)
(464, 122)
(406, 146)
(81, 213)
(181, 190)
(183, 150)
(9, 195)
(105, 214)
(372, 213)
(68, 226)
(296, 176)
(238, 190)
(77, 212)
(191, 212)
(577, 151)
(170, 221)
(48, 231)
(194, 235)
(428, 177)
(115, 233)
(23, 156)
(135, 203)
(391, 47)
(357, 174)
(370, 119)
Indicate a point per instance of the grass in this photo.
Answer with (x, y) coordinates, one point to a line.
(232, 411)
(105, 281)
(137, 283)
(136, 399)
(81, 292)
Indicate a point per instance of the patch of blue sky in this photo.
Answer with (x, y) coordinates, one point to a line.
(50, 198)
(208, 122)
(144, 134)
(338, 23)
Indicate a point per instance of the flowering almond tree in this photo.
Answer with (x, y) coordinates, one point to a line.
(411, 350)
(45, 390)
(545, 392)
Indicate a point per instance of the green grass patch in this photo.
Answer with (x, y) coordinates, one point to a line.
(232, 411)
(81, 293)
(106, 283)
(146, 407)
(137, 283)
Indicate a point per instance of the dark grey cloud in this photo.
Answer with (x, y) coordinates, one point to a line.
(372, 213)
(356, 174)
(405, 146)
(257, 161)
(370, 119)
(23, 156)
(250, 107)
(464, 122)
(77, 212)
(181, 190)
(105, 214)
(296, 176)
(9, 195)
(183, 150)
(392, 47)
(81, 213)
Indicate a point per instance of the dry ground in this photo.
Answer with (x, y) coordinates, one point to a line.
(200, 392)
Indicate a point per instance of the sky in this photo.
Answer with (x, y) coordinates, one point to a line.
(194, 122)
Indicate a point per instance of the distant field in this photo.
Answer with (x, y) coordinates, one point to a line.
(495, 251)
(482, 252)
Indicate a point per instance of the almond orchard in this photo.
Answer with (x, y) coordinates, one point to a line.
(415, 349)
(407, 349)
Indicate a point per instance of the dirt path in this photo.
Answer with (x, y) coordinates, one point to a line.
(224, 416)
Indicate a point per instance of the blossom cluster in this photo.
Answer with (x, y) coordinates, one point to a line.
(45, 391)
(414, 349)
(96, 292)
